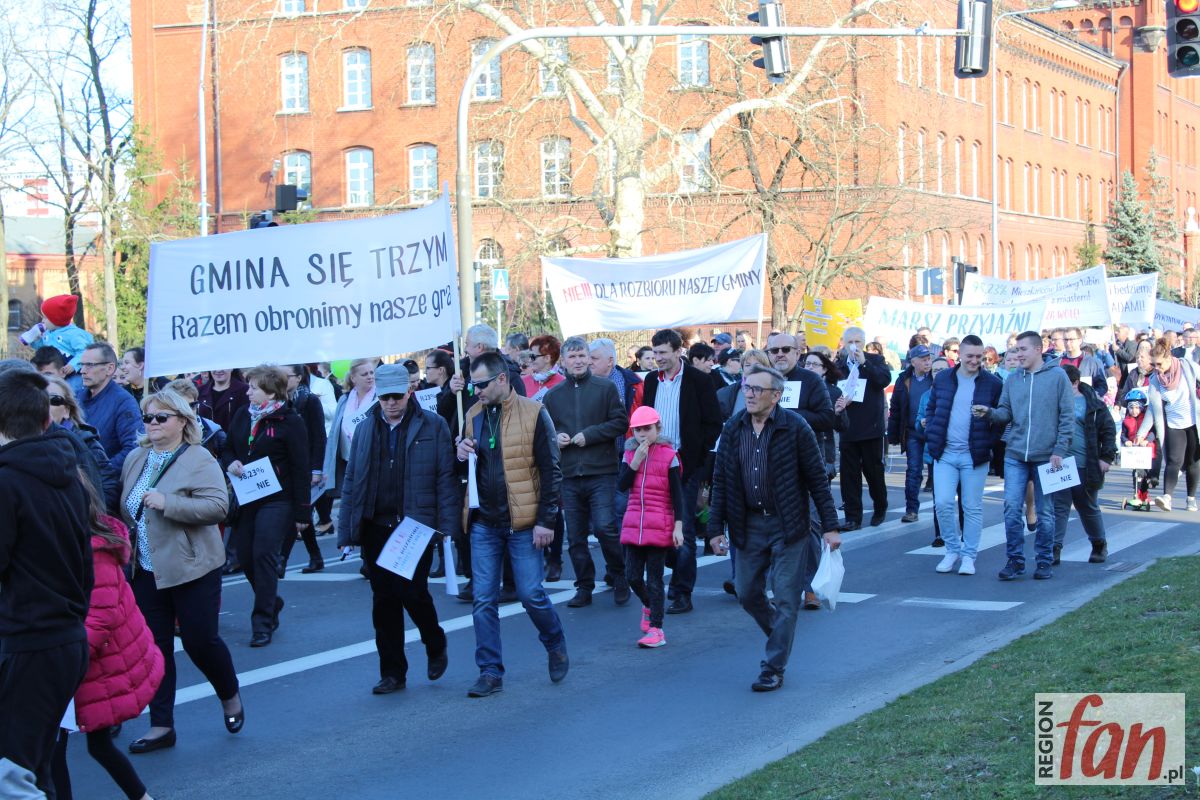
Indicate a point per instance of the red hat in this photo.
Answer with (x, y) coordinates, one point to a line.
(644, 415)
(60, 310)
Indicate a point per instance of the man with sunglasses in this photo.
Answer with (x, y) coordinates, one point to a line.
(400, 466)
(108, 408)
(517, 482)
(813, 403)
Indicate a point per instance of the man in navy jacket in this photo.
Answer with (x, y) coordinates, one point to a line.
(108, 408)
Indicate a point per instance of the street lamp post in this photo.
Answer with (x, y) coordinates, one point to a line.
(1057, 5)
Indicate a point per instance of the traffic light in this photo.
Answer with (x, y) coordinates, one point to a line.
(264, 219)
(775, 60)
(1183, 38)
(973, 51)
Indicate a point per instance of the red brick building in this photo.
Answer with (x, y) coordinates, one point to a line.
(356, 99)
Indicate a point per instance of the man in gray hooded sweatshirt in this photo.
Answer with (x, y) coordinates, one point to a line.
(1037, 400)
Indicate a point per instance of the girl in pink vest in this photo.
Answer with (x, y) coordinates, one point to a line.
(653, 523)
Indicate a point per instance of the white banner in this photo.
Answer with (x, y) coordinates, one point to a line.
(1131, 300)
(1079, 299)
(297, 293)
(896, 321)
(722, 283)
(1172, 316)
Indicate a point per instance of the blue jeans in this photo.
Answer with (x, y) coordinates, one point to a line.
(682, 560)
(1086, 503)
(1016, 475)
(914, 449)
(488, 546)
(956, 474)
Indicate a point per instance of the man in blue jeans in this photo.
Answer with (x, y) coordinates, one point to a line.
(1038, 401)
(517, 482)
(911, 386)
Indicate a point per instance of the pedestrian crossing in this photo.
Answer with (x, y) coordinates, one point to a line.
(1121, 536)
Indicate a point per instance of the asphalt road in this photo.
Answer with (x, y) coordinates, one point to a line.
(668, 723)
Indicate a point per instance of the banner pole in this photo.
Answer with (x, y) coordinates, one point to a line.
(762, 309)
(458, 371)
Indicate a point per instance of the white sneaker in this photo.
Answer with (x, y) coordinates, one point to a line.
(1191, 504)
(1163, 501)
(948, 562)
(967, 567)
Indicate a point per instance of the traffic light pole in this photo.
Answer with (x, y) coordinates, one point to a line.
(463, 194)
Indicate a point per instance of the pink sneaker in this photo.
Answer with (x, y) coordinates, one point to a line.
(653, 638)
(645, 620)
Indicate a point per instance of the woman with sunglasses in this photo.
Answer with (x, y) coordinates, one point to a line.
(173, 495)
(269, 428)
(1174, 415)
(545, 375)
(66, 413)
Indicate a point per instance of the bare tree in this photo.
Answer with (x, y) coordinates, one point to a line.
(14, 85)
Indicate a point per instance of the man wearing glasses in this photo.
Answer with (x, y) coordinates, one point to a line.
(813, 401)
(517, 482)
(1069, 342)
(108, 408)
(768, 464)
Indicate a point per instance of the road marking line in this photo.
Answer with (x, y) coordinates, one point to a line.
(992, 536)
(1127, 535)
(853, 597)
(959, 605)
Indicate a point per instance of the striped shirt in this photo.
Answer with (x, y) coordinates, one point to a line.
(752, 450)
(666, 403)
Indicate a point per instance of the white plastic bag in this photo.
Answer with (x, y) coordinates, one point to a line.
(828, 580)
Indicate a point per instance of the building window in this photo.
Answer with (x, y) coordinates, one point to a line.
(1037, 188)
(556, 167)
(489, 168)
(1025, 105)
(614, 72)
(550, 68)
(14, 315)
(958, 166)
(293, 83)
(356, 79)
(290, 7)
(422, 173)
(1028, 188)
(921, 159)
(693, 60)
(1062, 193)
(919, 62)
(487, 87)
(360, 177)
(1034, 124)
(901, 75)
(297, 171)
(695, 173)
(901, 136)
(937, 66)
(939, 159)
(976, 158)
(1084, 139)
(1005, 101)
(422, 75)
(352, 4)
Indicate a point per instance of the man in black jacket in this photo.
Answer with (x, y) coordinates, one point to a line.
(767, 465)
(45, 581)
(587, 416)
(862, 446)
(686, 400)
(813, 402)
(401, 465)
(911, 385)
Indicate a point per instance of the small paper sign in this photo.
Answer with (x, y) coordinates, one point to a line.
(855, 389)
(791, 394)
(257, 481)
(358, 418)
(472, 484)
(405, 547)
(448, 560)
(1136, 457)
(1055, 480)
(642, 375)
(427, 398)
(1086, 379)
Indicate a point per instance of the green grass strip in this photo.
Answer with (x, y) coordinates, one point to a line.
(970, 735)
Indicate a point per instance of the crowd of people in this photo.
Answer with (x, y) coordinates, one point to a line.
(124, 519)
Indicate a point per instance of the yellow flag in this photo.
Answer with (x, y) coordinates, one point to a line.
(826, 320)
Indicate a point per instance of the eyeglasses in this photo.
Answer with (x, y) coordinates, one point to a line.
(90, 364)
(479, 386)
(813, 364)
(951, 349)
(161, 418)
(756, 391)
(390, 398)
(57, 400)
(780, 350)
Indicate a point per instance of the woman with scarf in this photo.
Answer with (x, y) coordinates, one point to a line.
(308, 406)
(545, 375)
(1174, 414)
(352, 408)
(269, 428)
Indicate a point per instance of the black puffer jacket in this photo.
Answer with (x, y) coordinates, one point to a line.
(283, 439)
(1101, 432)
(796, 471)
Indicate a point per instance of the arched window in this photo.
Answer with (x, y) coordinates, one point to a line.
(693, 60)
(422, 173)
(360, 177)
(297, 171)
(293, 83)
(959, 182)
(976, 159)
(939, 168)
(489, 167)
(487, 87)
(921, 158)
(901, 145)
(356, 79)
(556, 166)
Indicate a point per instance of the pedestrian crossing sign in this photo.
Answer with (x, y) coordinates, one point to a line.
(500, 284)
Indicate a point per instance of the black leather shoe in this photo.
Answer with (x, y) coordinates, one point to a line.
(281, 569)
(729, 588)
(877, 518)
(621, 592)
(314, 565)
(260, 639)
(583, 597)
(850, 525)
(437, 665)
(387, 686)
(234, 722)
(275, 618)
(231, 569)
(1056, 558)
(681, 605)
(553, 572)
(1099, 552)
(487, 684)
(438, 572)
(138, 746)
(937, 541)
(767, 682)
(558, 664)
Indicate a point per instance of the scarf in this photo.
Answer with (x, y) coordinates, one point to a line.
(257, 412)
(1169, 378)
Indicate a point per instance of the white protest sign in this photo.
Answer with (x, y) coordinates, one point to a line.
(1133, 457)
(791, 394)
(1132, 299)
(855, 389)
(427, 398)
(405, 547)
(320, 291)
(721, 283)
(1055, 480)
(896, 321)
(256, 481)
(472, 482)
(1173, 316)
(1079, 299)
(448, 560)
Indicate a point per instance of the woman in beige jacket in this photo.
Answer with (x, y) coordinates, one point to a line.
(173, 495)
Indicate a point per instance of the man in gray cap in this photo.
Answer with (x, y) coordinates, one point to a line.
(721, 342)
(911, 386)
